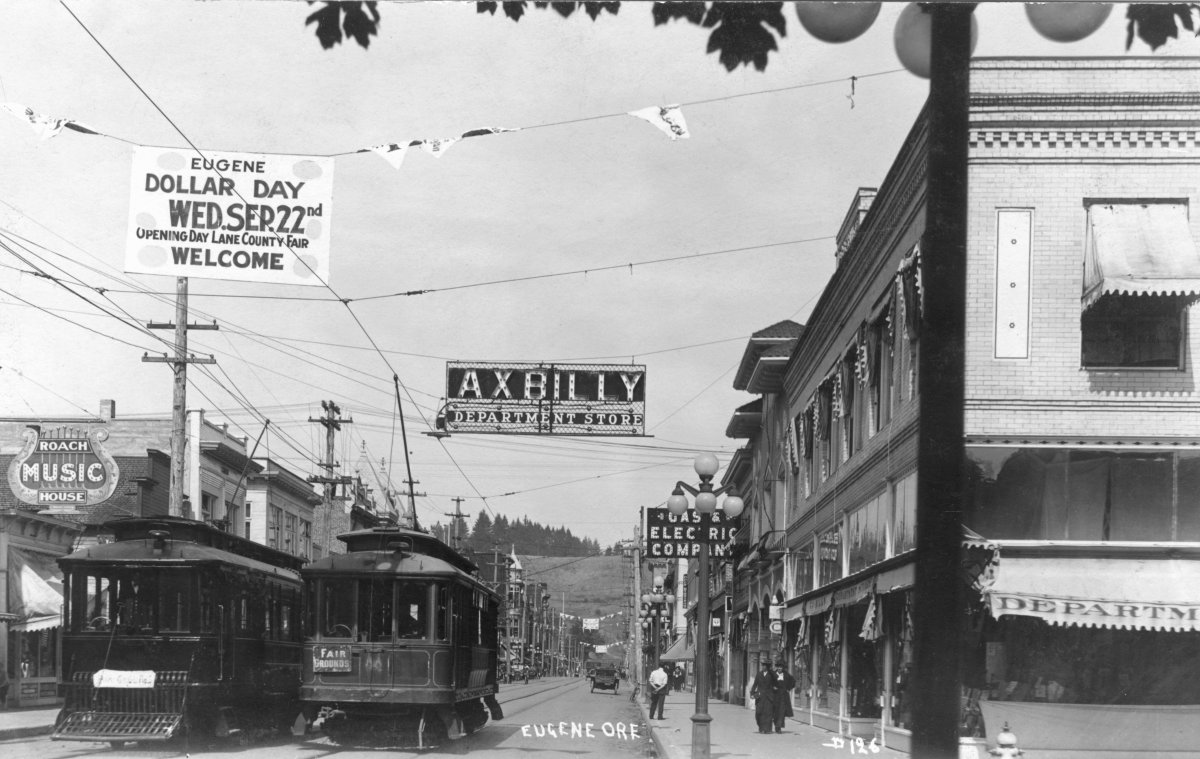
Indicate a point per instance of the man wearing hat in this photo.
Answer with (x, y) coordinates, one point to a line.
(784, 682)
(764, 695)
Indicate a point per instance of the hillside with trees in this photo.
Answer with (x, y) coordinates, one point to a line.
(526, 537)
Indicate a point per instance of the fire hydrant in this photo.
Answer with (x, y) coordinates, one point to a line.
(1006, 744)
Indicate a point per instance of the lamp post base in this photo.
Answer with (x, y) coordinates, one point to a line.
(701, 748)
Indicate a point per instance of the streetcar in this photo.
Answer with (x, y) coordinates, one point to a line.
(178, 628)
(400, 641)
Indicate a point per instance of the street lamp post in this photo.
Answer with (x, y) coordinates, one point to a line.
(655, 610)
(706, 466)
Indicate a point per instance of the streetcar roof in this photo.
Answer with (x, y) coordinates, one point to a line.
(388, 538)
(201, 533)
(172, 554)
(418, 565)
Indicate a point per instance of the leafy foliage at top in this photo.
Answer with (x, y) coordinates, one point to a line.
(743, 33)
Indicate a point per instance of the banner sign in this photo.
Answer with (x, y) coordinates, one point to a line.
(669, 536)
(591, 623)
(63, 469)
(240, 216)
(546, 399)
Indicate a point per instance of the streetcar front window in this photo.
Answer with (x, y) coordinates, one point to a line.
(412, 610)
(337, 617)
(175, 593)
(375, 610)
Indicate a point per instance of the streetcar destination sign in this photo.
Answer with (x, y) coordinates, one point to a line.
(331, 658)
(546, 398)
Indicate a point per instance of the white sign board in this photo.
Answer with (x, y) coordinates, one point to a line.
(591, 623)
(123, 678)
(240, 216)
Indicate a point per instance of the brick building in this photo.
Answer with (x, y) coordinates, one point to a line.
(1081, 506)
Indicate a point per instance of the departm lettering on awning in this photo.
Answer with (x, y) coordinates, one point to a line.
(670, 537)
(545, 398)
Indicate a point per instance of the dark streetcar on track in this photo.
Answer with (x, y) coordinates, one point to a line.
(400, 641)
(177, 627)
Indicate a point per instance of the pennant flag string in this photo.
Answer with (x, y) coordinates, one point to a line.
(668, 118)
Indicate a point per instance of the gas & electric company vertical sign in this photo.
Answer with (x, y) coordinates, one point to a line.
(546, 398)
(669, 536)
(240, 216)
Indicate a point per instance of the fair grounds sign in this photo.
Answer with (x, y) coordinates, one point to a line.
(545, 398)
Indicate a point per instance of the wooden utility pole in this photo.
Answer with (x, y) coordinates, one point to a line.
(638, 670)
(457, 515)
(332, 422)
(411, 495)
(179, 364)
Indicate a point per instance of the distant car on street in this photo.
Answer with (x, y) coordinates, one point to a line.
(605, 678)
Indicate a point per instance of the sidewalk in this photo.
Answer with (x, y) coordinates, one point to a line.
(25, 723)
(733, 732)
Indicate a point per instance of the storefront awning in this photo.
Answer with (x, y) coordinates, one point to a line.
(1139, 249)
(680, 651)
(1125, 593)
(34, 590)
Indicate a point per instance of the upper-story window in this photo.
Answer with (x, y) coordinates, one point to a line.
(904, 514)
(829, 545)
(1083, 494)
(1141, 270)
(1134, 331)
(866, 533)
(803, 567)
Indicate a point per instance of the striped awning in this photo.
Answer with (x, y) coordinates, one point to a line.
(1139, 249)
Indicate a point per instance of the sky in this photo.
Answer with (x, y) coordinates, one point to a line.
(550, 243)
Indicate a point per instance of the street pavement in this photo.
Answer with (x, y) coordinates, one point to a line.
(733, 733)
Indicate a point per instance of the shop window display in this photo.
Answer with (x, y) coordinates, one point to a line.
(1026, 659)
(865, 667)
(829, 662)
(897, 623)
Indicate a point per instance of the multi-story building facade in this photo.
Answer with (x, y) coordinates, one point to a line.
(67, 476)
(1080, 505)
(279, 510)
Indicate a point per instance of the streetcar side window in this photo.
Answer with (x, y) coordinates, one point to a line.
(208, 604)
(443, 612)
(337, 609)
(375, 606)
(412, 609)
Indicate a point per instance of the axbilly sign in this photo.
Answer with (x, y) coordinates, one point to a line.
(64, 468)
(545, 398)
(669, 536)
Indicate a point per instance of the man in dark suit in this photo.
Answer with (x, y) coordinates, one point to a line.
(764, 695)
(784, 682)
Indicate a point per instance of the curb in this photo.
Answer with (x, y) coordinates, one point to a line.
(14, 733)
(659, 746)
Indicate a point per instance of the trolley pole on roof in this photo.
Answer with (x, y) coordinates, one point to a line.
(179, 364)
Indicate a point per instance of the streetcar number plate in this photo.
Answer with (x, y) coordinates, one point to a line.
(331, 658)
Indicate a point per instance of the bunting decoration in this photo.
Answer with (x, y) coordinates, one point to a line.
(872, 628)
(391, 152)
(394, 152)
(833, 627)
(668, 118)
(793, 447)
(45, 126)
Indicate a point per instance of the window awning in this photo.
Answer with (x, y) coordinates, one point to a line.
(34, 591)
(1125, 593)
(1139, 249)
(680, 651)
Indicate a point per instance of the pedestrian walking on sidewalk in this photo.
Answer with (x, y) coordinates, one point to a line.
(764, 695)
(660, 683)
(784, 682)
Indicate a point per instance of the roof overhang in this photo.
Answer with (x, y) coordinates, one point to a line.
(746, 421)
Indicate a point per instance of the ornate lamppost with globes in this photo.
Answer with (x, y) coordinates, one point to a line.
(656, 610)
(706, 466)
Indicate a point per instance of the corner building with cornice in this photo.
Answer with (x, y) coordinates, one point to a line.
(1081, 502)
